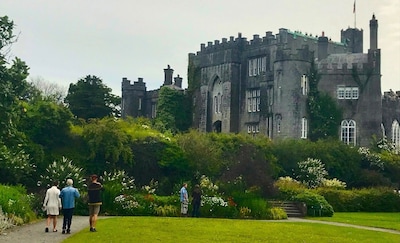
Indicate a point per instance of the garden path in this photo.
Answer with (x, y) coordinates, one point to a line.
(35, 232)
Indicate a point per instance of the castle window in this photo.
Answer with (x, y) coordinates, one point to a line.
(396, 135)
(304, 127)
(257, 66)
(278, 118)
(153, 110)
(216, 104)
(253, 128)
(348, 132)
(304, 84)
(347, 93)
(140, 104)
(253, 100)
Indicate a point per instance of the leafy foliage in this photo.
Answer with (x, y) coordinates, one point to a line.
(323, 112)
(172, 112)
(91, 98)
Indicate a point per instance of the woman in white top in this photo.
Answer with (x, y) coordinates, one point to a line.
(52, 204)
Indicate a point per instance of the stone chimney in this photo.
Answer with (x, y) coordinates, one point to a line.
(178, 81)
(168, 72)
(322, 47)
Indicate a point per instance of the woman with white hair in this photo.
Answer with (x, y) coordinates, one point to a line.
(68, 195)
(52, 205)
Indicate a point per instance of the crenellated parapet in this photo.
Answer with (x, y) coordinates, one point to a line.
(344, 62)
(391, 96)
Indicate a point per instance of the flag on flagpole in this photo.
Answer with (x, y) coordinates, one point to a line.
(354, 6)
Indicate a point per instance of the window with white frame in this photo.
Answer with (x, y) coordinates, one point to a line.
(253, 128)
(304, 84)
(217, 103)
(257, 66)
(348, 132)
(347, 93)
(217, 96)
(304, 127)
(253, 100)
(396, 134)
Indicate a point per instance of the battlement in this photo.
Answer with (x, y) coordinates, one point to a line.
(391, 95)
(284, 36)
(347, 61)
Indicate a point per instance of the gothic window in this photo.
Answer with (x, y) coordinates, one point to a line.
(253, 100)
(217, 96)
(396, 134)
(348, 93)
(257, 66)
(348, 132)
(304, 127)
(304, 84)
(278, 122)
(216, 104)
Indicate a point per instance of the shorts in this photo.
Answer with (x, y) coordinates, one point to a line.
(184, 208)
(94, 209)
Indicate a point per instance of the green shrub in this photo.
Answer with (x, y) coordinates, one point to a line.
(379, 199)
(276, 213)
(288, 187)
(166, 210)
(316, 204)
(16, 203)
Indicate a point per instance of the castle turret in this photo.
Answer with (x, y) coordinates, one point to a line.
(353, 38)
(168, 72)
(373, 33)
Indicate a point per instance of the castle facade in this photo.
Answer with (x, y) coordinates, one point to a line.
(261, 86)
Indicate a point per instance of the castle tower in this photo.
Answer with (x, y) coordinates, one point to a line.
(168, 72)
(353, 38)
(373, 33)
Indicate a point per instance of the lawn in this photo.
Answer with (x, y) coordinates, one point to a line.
(163, 229)
(380, 220)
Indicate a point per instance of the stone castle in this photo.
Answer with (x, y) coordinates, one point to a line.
(260, 86)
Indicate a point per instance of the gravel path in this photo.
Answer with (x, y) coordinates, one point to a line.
(34, 233)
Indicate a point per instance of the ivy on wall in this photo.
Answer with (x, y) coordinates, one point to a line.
(324, 115)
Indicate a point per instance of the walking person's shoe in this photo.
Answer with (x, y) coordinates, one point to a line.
(63, 231)
(68, 231)
(46, 230)
(93, 230)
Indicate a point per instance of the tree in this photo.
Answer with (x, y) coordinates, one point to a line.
(49, 91)
(90, 98)
(172, 110)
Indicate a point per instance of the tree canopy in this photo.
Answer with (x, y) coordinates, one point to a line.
(91, 98)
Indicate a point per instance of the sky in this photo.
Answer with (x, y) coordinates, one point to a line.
(64, 41)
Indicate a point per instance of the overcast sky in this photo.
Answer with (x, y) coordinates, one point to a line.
(63, 41)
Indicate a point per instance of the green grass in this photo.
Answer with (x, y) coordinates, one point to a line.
(380, 220)
(163, 229)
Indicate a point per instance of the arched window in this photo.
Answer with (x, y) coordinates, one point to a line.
(304, 84)
(396, 134)
(348, 132)
(217, 96)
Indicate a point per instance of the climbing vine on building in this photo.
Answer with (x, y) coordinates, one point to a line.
(324, 115)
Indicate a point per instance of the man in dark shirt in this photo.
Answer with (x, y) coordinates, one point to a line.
(94, 193)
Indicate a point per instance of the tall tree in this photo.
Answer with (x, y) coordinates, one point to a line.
(91, 98)
(13, 84)
(172, 110)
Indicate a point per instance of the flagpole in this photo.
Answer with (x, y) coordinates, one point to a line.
(355, 15)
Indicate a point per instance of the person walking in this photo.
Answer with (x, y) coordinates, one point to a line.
(196, 201)
(184, 198)
(68, 195)
(94, 193)
(52, 204)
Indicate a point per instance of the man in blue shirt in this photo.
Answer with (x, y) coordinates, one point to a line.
(68, 195)
(184, 198)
